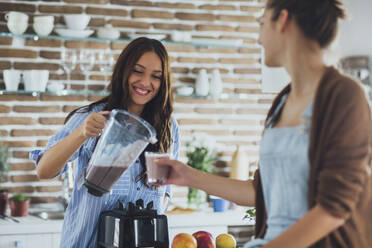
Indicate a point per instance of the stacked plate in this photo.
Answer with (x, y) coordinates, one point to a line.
(150, 36)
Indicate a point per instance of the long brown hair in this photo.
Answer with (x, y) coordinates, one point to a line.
(318, 19)
(158, 111)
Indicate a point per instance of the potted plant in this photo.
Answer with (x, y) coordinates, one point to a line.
(250, 214)
(4, 168)
(201, 154)
(19, 205)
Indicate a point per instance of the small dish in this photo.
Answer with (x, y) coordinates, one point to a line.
(150, 36)
(217, 41)
(108, 32)
(55, 87)
(185, 91)
(74, 33)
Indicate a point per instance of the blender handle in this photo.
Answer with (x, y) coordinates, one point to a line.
(150, 205)
(139, 203)
(107, 116)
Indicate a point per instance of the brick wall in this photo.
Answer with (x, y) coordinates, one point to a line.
(27, 121)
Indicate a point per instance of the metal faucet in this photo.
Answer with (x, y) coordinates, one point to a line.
(67, 184)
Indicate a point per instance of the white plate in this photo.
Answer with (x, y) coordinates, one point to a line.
(185, 91)
(150, 36)
(74, 33)
(218, 41)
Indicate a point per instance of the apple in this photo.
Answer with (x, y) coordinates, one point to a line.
(184, 240)
(225, 240)
(202, 233)
(204, 239)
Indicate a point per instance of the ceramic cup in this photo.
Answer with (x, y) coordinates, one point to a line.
(219, 204)
(12, 79)
(180, 36)
(17, 22)
(55, 86)
(77, 21)
(43, 25)
(36, 80)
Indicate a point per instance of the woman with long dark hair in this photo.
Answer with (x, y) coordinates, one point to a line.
(313, 187)
(141, 85)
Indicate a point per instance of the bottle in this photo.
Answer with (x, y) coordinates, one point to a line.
(216, 84)
(239, 165)
(202, 83)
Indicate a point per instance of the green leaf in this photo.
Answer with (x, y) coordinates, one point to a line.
(19, 198)
(251, 212)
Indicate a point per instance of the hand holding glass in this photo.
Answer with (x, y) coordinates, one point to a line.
(155, 173)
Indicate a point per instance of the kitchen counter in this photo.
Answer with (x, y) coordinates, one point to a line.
(215, 223)
(198, 219)
(31, 226)
(230, 218)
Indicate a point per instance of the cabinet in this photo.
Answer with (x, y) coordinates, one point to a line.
(30, 232)
(30, 240)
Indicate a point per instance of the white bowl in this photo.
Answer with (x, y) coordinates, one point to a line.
(74, 33)
(42, 28)
(77, 22)
(55, 86)
(44, 19)
(180, 36)
(185, 91)
(108, 32)
(36, 80)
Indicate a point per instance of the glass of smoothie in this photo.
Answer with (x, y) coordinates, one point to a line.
(155, 173)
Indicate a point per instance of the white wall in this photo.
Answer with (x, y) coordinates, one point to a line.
(356, 32)
(355, 38)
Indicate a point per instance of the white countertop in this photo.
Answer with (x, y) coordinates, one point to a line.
(32, 224)
(228, 218)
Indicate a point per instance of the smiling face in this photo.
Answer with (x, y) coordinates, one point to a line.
(145, 80)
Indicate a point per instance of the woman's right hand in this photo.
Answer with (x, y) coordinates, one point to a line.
(94, 124)
(180, 174)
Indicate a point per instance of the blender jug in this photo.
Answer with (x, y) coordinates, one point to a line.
(123, 139)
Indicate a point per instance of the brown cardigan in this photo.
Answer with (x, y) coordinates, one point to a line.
(340, 161)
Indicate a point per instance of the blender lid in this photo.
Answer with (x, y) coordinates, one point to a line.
(152, 133)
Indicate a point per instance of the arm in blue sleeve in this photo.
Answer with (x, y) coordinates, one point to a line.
(75, 121)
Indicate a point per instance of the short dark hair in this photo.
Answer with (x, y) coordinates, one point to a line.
(318, 19)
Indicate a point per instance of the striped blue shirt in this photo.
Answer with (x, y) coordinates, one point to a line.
(80, 226)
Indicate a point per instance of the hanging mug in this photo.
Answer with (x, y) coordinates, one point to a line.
(17, 22)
